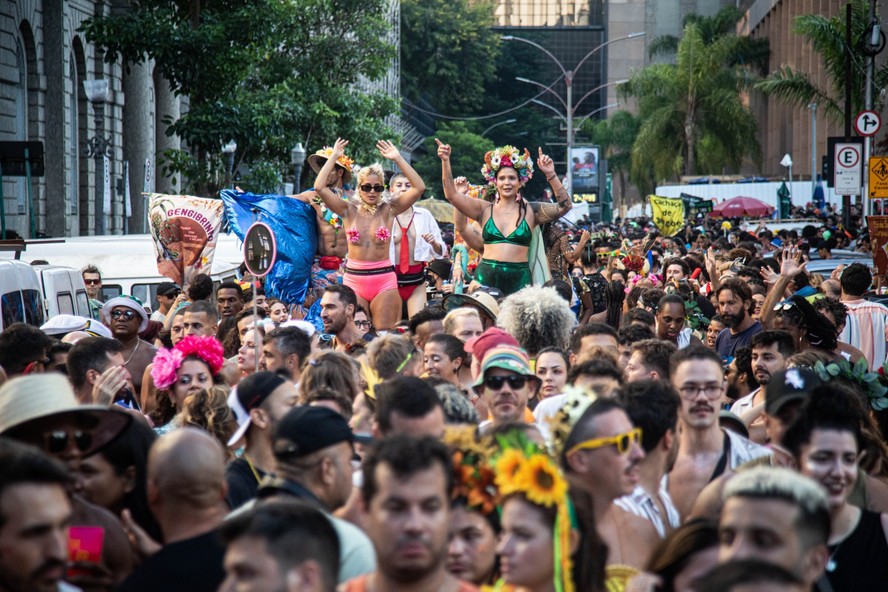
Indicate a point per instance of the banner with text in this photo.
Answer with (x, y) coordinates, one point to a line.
(878, 233)
(667, 213)
(185, 230)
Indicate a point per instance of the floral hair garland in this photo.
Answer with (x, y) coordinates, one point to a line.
(507, 156)
(523, 468)
(168, 361)
(344, 161)
(474, 476)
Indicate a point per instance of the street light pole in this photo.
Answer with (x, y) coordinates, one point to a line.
(568, 82)
(228, 150)
(99, 146)
(513, 120)
(297, 158)
(813, 108)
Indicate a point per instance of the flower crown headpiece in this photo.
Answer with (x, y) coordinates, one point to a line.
(507, 156)
(871, 382)
(344, 161)
(474, 478)
(168, 361)
(576, 402)
(523, 467)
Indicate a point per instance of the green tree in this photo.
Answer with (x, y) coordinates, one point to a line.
(690, 108)
(262, 72)
(615, 137)
(466, 160)
(448, 52)
(744, 50)
(827, 39)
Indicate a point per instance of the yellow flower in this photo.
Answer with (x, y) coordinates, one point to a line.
(508, 466)
(541, 481)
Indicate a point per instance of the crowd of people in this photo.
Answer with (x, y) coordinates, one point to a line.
(596, 409)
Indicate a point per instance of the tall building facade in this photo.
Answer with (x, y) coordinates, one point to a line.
(44, 61)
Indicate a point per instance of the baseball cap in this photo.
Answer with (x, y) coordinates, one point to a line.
(478, 346)
(506, 357)
(248, 395)
(786, 386)
(168, 289)
(306, 429)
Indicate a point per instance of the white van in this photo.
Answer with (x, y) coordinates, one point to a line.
(21, 298)
(63, 291)
(127, 263)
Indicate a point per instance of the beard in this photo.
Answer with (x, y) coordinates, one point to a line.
(732, 321)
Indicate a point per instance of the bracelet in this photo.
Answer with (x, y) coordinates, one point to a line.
(548, 178)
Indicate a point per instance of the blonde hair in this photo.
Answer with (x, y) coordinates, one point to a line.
(208, 410)
(372, 169)
(457, 313)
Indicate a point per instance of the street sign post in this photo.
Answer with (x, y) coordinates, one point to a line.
(878, 177)
(848, 169)
(260, 253)
(867, 123)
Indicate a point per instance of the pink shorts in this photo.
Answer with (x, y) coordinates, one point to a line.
(369, 278)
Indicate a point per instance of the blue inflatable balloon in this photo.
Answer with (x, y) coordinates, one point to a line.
(295, 232)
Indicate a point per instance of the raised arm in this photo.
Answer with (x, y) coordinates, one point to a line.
(574, 255)
(417, 187)
(331, 200)
(473, 208)
(550, 212)
(790, 266)
(470, 233)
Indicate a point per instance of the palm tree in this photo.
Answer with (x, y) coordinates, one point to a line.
(827, 38)
(690, 108)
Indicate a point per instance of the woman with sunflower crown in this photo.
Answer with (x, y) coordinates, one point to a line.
(506, 254)
(474, 521)
(546, 544)
(367, 221)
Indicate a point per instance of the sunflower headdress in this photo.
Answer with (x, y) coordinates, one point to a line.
(474, 477)
(507, 156)
(522, 467)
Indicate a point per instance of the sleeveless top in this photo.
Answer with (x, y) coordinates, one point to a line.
(521, 236)
(860, 562)
(359, 584)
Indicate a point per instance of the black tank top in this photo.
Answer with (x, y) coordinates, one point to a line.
(860, 562)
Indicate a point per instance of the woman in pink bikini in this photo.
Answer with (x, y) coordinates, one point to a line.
(368, 219)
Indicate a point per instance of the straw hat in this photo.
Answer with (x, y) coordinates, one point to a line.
(316, 162)
(479, 299)
(40, 396)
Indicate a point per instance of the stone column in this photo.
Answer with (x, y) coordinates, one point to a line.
(138, 136)
(54, 145)
(166, 104)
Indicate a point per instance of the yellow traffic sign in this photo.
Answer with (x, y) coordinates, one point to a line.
(878, 177)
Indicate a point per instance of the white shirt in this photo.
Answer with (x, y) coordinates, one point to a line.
(423, 223)
(641, 504)
(545, 412)
(744, 403)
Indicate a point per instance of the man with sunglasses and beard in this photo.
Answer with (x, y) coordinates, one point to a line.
(506, 383)
(126, 318)
(42, 411)
(601, 455)
(735, 305)
(705, 451)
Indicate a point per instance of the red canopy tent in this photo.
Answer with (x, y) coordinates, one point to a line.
(740, 206)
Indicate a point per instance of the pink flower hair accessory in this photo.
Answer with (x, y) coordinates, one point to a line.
(165, 366)
(207, 349)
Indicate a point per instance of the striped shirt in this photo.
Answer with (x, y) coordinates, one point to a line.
(866, 328)
(640, 503)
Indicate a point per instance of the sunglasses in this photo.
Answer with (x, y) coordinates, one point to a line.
(367, 188)
(92, 282)
(623, 442)
(32, 365)
(784, 306)
(57, 441)
(126, 315)
(495, 383)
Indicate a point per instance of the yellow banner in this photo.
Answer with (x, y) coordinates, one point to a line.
(668, 214)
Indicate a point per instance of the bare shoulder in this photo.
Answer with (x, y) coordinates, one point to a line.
(876, 494)
(305, 196)
(640, 528)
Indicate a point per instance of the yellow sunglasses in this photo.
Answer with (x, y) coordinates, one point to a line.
(621, 441)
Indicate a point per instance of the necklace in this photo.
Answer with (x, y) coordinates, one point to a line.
(135, 349)
(369, 208)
